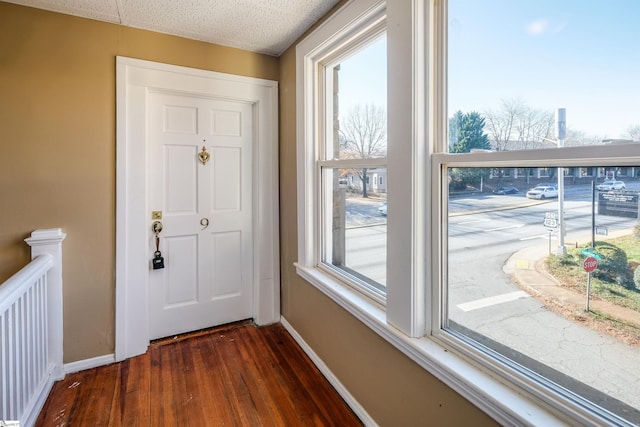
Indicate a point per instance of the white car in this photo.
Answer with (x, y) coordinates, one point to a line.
(611, 185)
(542, 192)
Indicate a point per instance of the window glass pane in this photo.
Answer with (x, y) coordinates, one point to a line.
(517, 285)
(355, 240)
(354, 225)
(359, 85)
(513, 64)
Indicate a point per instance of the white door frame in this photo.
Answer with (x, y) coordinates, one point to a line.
(133, 80)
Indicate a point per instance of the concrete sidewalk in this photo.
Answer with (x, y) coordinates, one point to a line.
(527, 269)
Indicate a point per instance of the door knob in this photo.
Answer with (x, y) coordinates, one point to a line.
(156, 227)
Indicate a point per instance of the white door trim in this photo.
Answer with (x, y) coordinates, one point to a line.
(133, 79)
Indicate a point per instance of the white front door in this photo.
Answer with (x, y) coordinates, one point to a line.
(256, 100)
(205, 200)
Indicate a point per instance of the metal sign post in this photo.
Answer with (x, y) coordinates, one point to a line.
(590, 264)
(561, 132)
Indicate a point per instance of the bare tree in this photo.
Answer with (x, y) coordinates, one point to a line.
(633, 132)
(576, 137)
(364, 136)
(533, 126)
(516, 125)
(501, 124)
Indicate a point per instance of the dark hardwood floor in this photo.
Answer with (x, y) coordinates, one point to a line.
(235, 375)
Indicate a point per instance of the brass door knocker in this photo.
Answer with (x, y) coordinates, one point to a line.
(203, 155)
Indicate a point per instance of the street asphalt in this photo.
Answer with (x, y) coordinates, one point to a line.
(610, 365)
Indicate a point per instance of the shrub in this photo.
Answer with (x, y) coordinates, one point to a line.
(613, 267)
(636, 277)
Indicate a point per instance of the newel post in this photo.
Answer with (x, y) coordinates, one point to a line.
(49, 242)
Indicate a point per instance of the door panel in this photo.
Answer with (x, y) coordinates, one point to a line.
(206, 209)
(181, 179)
(226, 123)
(227, 252)
(183, 253)
(227, 179)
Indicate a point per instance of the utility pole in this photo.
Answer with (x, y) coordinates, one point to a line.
(561, 133)
(593, 214)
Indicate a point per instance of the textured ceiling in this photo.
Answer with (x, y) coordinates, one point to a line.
(264, 26)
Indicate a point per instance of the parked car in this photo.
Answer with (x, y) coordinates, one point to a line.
(383, 209)
(611, 185)
(548, 184)
(506, 190)
(542, 192)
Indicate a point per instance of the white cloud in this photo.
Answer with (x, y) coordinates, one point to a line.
(538, 27)
(544, 26)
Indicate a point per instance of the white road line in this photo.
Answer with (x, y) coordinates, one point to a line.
(494, 300)
(504, 228)
(540, 236)
(471, 222)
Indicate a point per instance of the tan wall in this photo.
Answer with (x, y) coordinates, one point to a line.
(57, 169)
(392, 389)
(57, 155)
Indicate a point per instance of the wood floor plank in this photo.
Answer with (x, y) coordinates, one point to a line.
(95, 408)
(237, 375)
(279, 397)
(133, 404)
(316, 396)
(163, 406)
(60, 401)
(212, 382)
(234, 372)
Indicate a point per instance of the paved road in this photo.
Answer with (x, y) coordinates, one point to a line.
(484, 231)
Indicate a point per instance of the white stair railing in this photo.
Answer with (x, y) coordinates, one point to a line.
(31, 330)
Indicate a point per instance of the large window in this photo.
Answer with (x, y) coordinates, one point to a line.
(525, 80)
(350, 159)
(460, 236)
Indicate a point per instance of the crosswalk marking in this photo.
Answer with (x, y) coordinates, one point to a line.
(489, 301)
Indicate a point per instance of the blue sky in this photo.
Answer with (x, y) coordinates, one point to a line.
(363, 77)
(582, 55)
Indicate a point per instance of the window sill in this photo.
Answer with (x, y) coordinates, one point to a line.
(504, 404)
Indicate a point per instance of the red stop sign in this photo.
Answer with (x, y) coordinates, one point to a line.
(590, 264)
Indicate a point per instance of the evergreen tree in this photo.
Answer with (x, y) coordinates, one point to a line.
(454, 129)
(466, 132)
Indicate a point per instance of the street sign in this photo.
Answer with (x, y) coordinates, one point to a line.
(590, 264)
(550, 220)
(589, 252)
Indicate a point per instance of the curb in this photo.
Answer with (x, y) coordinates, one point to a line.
(526, 267)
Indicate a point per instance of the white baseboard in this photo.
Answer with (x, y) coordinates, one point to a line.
(94, 362)
(333, 380)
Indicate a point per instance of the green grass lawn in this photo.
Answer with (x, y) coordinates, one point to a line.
(569, 271)
(631, 245)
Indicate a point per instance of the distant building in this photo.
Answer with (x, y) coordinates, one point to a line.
(376, 180)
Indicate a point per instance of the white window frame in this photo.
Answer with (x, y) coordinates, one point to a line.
(411, 319)
(359, 24)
